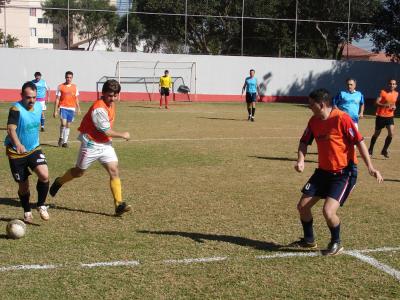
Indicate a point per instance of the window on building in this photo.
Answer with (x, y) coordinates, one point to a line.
(32, 12)
(33, 31)
(43, 21)
(47, 41)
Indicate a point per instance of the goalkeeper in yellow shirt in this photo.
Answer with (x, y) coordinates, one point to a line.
(164, 86)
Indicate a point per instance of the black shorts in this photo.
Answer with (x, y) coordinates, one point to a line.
(164, 91)
(382, 122)
(251, 97)
(334, 185)
(20, 166)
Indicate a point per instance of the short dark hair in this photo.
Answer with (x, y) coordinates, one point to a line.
(111, 85)
(69, 73)
(37, 74)
(166, 71)
(391, 79)
(351, 79)
(320, 95)
(252, 70)
(28, 84)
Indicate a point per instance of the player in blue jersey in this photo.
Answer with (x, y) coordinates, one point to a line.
(350, 101)
(42, 95)
(252, 89)
(23, 150)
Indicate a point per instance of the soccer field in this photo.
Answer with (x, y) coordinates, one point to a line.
(214, 204)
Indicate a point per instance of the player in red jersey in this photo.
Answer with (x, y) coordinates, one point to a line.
(336, 175)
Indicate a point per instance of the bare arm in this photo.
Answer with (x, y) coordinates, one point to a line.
(362, 148)
(378, 102)
(301, 155)
(244, 87)
(78, 105)
(56, 106)
(111, 133)
(11, 131)
(361, 114)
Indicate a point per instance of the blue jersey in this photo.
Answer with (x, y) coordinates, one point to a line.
(41, 88)
(349, 103)
(251, 85)
(28, 126)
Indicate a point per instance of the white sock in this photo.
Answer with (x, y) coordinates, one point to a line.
(62, 132)
(66, 134)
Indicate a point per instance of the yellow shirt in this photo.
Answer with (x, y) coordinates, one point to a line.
(166, 81)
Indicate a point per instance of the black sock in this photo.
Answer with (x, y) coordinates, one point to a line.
(308, 230)
(253, 111)
(388, 140)
(25, 201)
(335, 234)
(42, 190)
(373, 141)
(249, 111)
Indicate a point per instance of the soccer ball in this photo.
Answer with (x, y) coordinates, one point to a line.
(15, 229)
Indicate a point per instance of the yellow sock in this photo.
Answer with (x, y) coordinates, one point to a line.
(116, 189)
(66, 177)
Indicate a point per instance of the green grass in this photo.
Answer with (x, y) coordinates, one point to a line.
(203, 182)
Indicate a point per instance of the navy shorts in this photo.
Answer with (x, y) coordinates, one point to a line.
(334, 185)
(164, 91)
(251, 97)
(20, 166)
(382, 122)
(67, 114)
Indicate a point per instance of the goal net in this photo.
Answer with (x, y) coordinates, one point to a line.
(141, 78)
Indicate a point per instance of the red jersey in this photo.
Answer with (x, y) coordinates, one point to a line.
(335, 137)
(387, 98)
(99, 118)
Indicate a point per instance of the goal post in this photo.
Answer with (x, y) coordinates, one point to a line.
(139, 76)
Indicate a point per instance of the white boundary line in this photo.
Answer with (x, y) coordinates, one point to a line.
(194, 260)
(111, 264)
(375, 263)
(29, 267)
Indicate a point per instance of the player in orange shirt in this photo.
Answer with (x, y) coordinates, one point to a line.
(96, 133)
(66, 103)
(336, 175)
(386, 105)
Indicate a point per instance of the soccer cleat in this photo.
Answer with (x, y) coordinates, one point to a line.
(60, 142)
(252, 119)
(303, 244)
(43, 212)
(333, 249)
(385, 153)
(55, 187)
(166, 107)
(65, 145)
(42, 129)
(370, 152)
(28, 218)
(122, 208)
(249, 118)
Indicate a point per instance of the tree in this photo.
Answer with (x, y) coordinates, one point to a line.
(11, 41)
(128, 33)
(386, 34)
(87, 21)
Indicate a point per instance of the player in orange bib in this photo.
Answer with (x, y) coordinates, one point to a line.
(335, 134)
(96, 135)
(386, 105)
(66, 103)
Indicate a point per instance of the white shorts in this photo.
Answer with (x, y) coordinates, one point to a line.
(88, 155)
(43, 104)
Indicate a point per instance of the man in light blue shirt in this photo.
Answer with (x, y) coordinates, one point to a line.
(42, 95)
(350, 101)
(251, 87)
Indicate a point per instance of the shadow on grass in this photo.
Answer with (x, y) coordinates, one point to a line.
(3, 236)
(237, 240)
(392, 180)
(10, 219)
(10, 202)
(53, 206)
(142, 106)
(282, 158)
(49, 145)
(221, 119)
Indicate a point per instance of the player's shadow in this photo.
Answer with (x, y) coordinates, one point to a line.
(392, 180)
(281, 158)
(142, 106)
(237, 240)
(10, 202)
(49, 145)
(221, 119)
(54, 206)
(4, 219)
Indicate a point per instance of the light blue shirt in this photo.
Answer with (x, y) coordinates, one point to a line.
(349, 103)
(42, 88)
(251, 85)
(28, 126)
